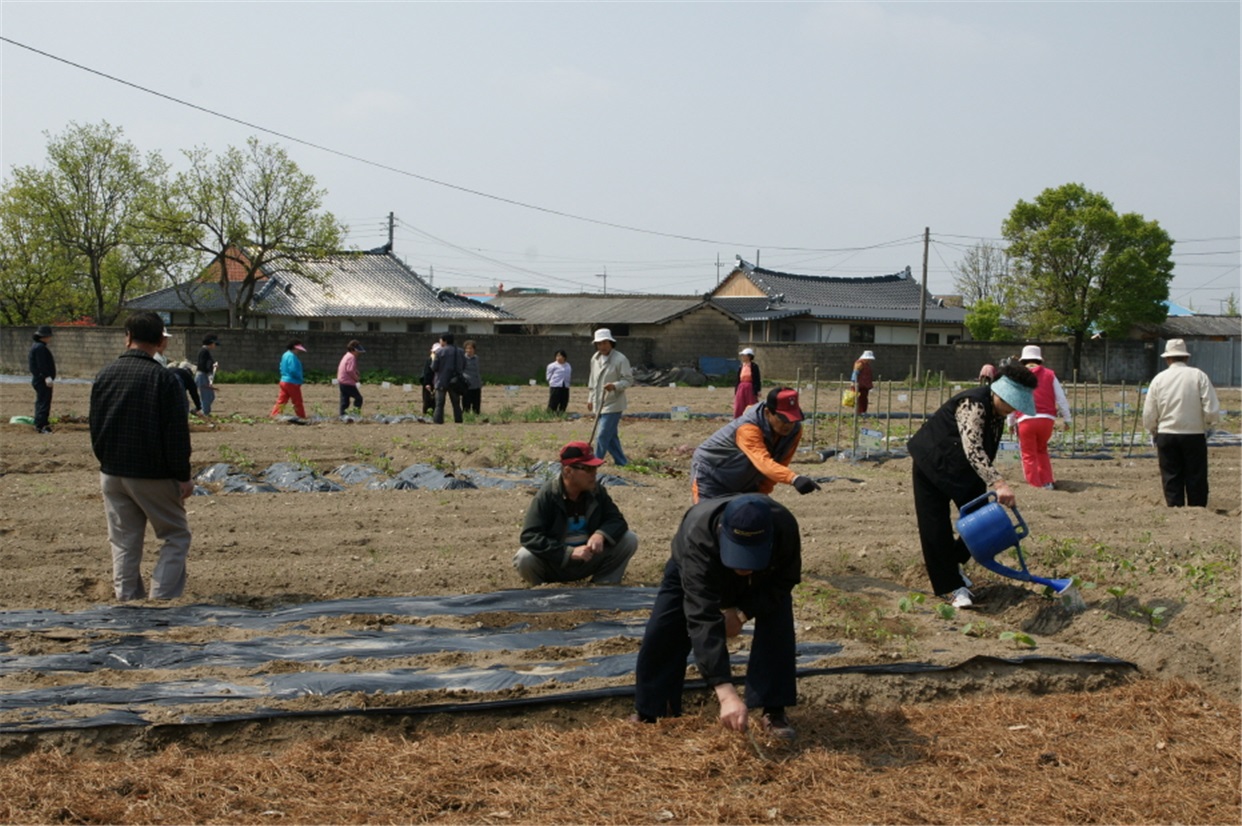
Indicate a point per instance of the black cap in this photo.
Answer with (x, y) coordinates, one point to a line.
(746, 533)
(212, 339)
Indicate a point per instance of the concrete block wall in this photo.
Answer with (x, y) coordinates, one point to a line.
(82, 351)
(683, 340)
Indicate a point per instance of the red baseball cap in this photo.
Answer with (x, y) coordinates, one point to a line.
(579, 453)
(784, 400)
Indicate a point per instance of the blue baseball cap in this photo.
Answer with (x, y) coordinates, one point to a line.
(746, 533)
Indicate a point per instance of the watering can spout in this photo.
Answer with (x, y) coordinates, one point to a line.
(987, 531)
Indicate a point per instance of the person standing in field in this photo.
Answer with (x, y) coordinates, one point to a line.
(861, 380)
(474, 379)
(1181, 405)
(610, 375)
(1034, 432)
(747, 382)
(42, 376)
(205, 376)
(291, 380)
(348, 377)
(559, 372)
(141, 436)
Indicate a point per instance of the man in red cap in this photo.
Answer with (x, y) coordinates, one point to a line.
(573, 529)
(751, 454)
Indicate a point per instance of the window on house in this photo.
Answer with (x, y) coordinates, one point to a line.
(314, 325)
(862, 334)
(373, 326)
(953, 339)
(457, 329)
(931, 338)
(416, 326)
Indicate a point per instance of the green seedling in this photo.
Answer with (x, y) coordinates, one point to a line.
(298, 459)
(1019, 639)
(946, 611)
(236, 458)
(907, 603)
(1117, 592)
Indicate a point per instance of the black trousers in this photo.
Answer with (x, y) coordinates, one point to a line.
(1183, 468)
(558, 399)
(473, 400)
(942, 551)
(43, 404)
(455, 398)
(349, 392)
(660, 674)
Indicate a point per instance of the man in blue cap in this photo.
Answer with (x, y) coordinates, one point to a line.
(734, 558)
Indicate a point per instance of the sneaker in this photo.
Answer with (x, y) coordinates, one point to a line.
(961, 598)
(777, 725)
(1050, 486)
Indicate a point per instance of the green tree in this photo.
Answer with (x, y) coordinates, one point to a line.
(36, 274)
(981, 274)
(91, 200)
(1231, 305)
(1078, 266)
(253, 209)
(983, 319)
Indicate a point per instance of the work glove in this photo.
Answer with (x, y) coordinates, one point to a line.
(47, 380)
(805, 484)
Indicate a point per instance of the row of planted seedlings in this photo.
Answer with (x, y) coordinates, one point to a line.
(1103, 417)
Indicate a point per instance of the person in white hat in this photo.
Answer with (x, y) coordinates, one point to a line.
(861, 380)
(1180, 406)
(747, 382)
(610, 375)
(1035, 431)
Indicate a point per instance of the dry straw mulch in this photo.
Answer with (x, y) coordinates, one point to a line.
(1149, 752)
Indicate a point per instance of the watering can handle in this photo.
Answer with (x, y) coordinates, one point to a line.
(1020, 530)
(977, 503)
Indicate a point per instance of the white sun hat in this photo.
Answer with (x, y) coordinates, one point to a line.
(867, 356)
(603, 334)
(746, 351)
(1031, 352)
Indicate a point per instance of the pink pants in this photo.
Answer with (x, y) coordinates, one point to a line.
(1033, 436)
(290, 393)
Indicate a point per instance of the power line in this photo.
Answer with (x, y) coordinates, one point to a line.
(404, 172)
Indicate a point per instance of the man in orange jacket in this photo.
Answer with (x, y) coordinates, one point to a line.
(751, 454)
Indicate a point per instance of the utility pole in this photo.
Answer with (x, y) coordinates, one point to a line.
(391, 220)
(431, 274)
(918, 348)
(717, 269)
(604, 275)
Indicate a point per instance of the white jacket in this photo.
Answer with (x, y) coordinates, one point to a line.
(1180, 399)
(614, 369)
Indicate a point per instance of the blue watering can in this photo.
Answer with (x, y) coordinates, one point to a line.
(987, 531)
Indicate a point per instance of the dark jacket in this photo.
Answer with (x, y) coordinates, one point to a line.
(938, 451)
(187, 381)
(138, 423)
(754, 377)
(42, 365)
(449, 361)
(708, 586)
(206, 363)
(547, 521)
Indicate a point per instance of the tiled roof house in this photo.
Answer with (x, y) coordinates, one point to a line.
(682, 328)
(347, 291)
(884, 309)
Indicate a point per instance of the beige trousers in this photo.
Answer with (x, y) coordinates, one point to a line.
(129, 504)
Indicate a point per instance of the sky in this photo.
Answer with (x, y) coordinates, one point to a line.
(640, 147)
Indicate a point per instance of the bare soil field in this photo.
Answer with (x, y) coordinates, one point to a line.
(1016, 711)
